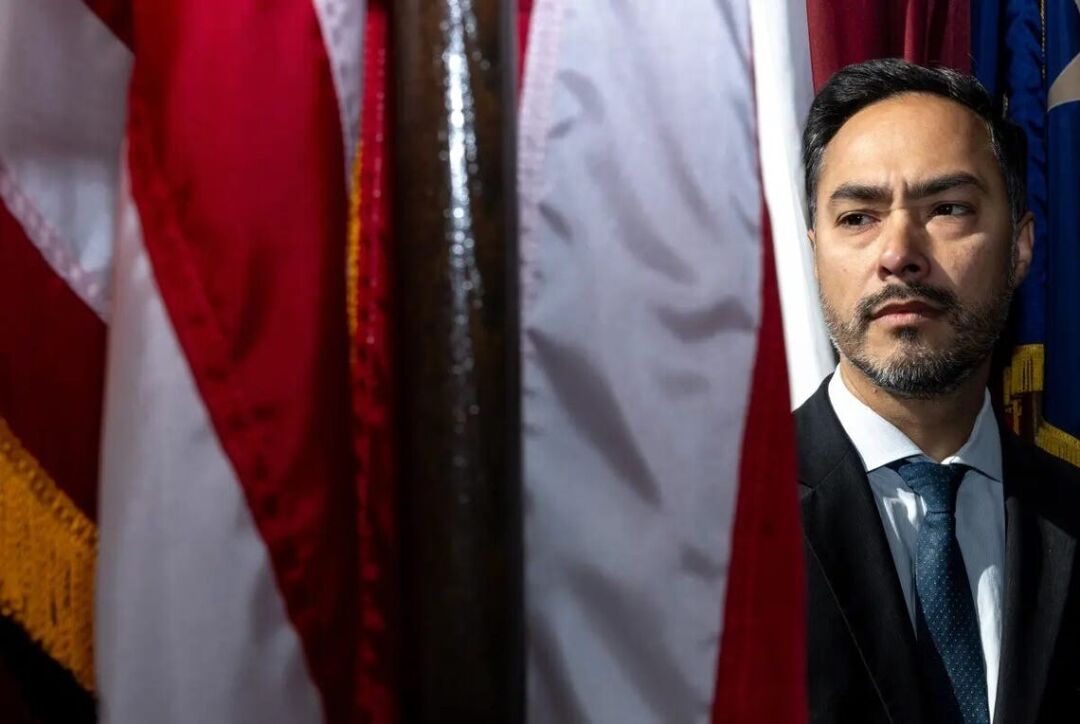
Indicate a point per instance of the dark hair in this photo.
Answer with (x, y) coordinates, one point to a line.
(858, 86)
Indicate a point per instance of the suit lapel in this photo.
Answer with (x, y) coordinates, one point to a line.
(1038, 561)
(845, 535)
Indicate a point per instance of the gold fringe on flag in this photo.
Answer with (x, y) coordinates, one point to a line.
(352, 253)
(1025, 371)
(47, 550)
(1059, 443)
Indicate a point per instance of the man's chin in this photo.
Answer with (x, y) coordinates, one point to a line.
(914, 340)
(915, 372)
(904, 349)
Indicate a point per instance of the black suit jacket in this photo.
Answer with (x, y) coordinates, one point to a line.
(862, 662)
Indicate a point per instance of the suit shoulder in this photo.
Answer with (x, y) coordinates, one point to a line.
(823, 443)
(815, 410)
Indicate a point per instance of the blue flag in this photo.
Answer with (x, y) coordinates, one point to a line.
(1060, 432)
(1027, 54)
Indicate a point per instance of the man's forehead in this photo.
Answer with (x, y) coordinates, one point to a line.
(908, 139)
(912, 111)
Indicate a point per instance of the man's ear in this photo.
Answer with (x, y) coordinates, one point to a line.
(1025, 242)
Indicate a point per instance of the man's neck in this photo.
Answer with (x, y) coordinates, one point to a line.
(940, 425)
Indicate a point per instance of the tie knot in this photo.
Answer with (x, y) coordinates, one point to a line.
(936, 484)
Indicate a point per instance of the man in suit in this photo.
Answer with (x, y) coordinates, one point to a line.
(942, 580)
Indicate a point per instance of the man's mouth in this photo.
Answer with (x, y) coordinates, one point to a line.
(906, 312)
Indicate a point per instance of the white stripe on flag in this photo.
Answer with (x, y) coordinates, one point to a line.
(342, 23)
(784, 90)
(639, 333)
(63, 103)
(190, 624)
(542, 55)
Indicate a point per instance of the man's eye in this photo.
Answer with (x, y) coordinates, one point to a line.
(951, 210)
(855, 220)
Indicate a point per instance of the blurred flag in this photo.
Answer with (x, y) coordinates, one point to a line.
(226, 585)
(1059, 431)
(783, 88)
(371, 365)
(174, 179)
(63, 84)
(930, 32)
(663, 553)
(1027, 54)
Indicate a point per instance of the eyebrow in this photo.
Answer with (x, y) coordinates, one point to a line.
(882, 194)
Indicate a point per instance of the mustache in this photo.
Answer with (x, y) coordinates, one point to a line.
(913, 291)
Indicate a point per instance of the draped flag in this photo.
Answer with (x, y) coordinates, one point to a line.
(371, 366)
(226, 588)
(783, 88)
(663, 554)
(63, 84)
(1028, 55)
(203, 193)
(1059, 431)
(930, 32)
(174, 179)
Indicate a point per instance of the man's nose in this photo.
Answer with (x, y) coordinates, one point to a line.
(903, 256)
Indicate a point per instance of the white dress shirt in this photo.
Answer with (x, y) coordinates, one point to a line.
(980, 509)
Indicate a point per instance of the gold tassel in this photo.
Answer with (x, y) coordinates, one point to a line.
(1025, 371)
(47, 551)
(1059, 443)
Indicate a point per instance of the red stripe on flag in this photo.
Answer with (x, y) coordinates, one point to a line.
(524, 16)
(761, 675)
(373, 389)
(52, 366)
(236, 167)
(930, 32)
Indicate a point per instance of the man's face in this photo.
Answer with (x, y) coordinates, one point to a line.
(913, 244)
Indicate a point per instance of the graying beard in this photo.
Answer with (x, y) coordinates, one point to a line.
(921, 376)
(917, 372)
(933, 374)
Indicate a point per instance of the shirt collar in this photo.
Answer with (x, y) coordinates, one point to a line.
(879, 442)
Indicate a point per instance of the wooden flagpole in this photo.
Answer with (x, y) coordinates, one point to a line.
(456, 261)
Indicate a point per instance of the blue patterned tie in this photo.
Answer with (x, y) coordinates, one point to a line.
(947, 628)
